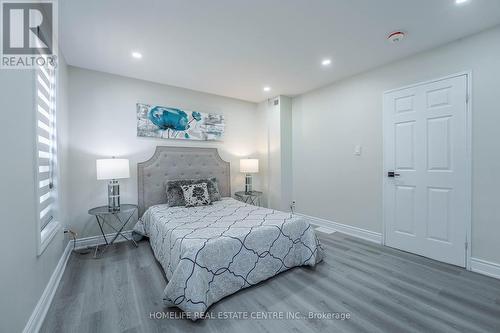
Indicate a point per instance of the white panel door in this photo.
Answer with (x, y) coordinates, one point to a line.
(425, 145)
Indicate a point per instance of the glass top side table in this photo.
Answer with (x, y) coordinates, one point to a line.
(251, 198)
(121, 216)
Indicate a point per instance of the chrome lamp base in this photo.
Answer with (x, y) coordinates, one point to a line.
(113, 195)
(248, 183)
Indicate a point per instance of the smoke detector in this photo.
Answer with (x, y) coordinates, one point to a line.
(396, 36)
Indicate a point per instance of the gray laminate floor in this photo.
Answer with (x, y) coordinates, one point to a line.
(383, 290)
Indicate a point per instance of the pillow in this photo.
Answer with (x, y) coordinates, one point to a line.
(175, 196)
(196, 195)
(213, 189)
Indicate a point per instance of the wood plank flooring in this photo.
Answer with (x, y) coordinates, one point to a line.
(383, 290)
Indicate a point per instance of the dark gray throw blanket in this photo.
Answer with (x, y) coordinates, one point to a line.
(211, 252)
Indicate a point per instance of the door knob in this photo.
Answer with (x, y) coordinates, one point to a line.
(392, 174)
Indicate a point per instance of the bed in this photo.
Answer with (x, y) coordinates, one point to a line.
(210, 252)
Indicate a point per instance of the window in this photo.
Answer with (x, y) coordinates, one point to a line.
(46, 143)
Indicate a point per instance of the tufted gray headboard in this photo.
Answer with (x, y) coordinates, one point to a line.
(169, 163)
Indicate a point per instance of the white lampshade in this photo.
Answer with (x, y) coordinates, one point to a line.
(112, 168)
(249, 165)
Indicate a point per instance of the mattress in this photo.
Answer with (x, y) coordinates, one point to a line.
(213, 251)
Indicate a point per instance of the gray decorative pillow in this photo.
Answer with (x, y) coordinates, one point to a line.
(175, 196)
(196, 195)
(213, 189)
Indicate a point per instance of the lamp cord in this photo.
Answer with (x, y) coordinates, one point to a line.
(73, 235)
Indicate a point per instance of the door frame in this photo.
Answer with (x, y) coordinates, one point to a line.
(468, 173)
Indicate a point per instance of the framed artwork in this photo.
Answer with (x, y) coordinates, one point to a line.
(175, 123)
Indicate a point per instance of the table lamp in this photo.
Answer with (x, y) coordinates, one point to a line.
(113, 169)
(249, 166)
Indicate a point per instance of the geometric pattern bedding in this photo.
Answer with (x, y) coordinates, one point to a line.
(210, 252)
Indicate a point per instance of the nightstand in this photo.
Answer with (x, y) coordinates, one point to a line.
(122, 216)
(251, 198)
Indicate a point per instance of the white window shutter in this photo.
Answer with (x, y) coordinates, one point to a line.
(46, 142)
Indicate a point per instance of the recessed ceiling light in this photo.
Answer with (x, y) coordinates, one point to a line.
(137, 55)
(326, 62)
(461, 2)
(266, 89)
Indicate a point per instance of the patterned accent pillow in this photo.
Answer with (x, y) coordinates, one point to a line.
(196, 195)
(175, 195)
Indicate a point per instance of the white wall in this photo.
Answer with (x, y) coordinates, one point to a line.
(331, 183)
(24, 275)
(102, 123)
(273, 172)
(286, 153)
(263, 152)
(278, 155)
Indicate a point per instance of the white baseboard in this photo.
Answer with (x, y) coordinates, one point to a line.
(485, 267)
(324, 230)
(82, 243)
(477, 265)
(368, 235)
(37, 317)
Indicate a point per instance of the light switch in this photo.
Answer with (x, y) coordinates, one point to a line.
(357, 150)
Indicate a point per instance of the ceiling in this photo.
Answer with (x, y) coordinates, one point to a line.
(236, 47)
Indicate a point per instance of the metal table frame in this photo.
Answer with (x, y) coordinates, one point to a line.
(101, 212)
(252, 198)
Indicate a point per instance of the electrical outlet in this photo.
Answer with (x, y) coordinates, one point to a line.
(70, 232)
